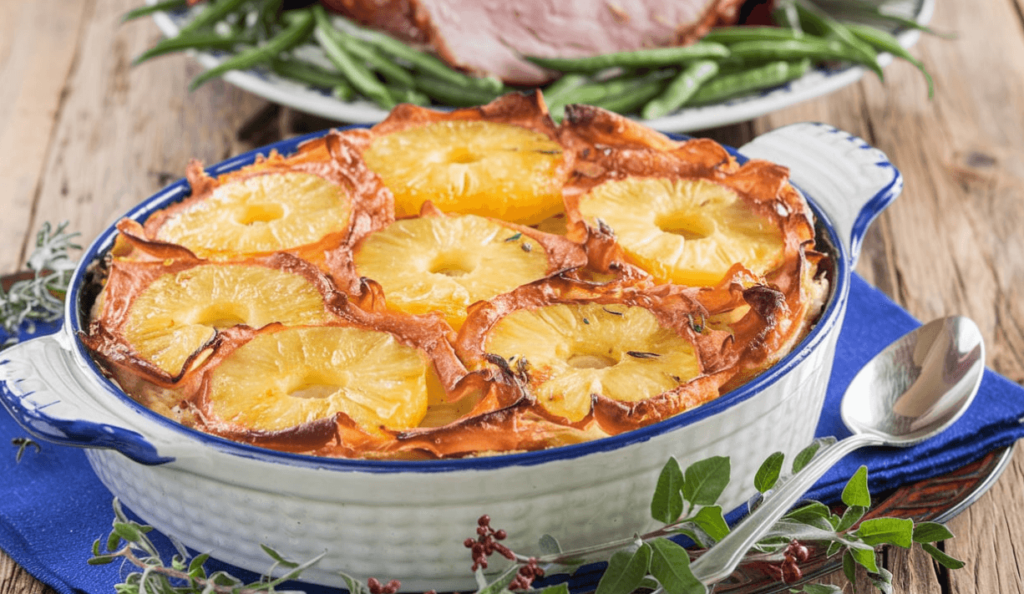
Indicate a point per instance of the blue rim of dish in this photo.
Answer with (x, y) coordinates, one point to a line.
(134, 443)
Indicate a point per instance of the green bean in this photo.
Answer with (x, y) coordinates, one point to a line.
(428, 64)
(403, 94)
(815, 48)
(886, 42)
(266, 14)
(564, 84)
(358, 75)
(307, 73)
(316, 76)
(555, 94)
(785, 15)
(446, 93)
(818, 19)
(197, 40)
(635, 98)
(727, 35)
(595, 93)
(761, 77)
(214, 12)
(859, 8)
(374, 60)
(343, 91)
(682, 87)
(293, 35)
(148, 10)
(644, 58)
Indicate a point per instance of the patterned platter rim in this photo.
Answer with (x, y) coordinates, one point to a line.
(936, 499)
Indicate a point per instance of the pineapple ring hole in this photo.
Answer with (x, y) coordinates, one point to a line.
(261, 213)
(454, 263)
(687, 225)
(313, 385)
(590, 361)
(220, 315)
(463, 155)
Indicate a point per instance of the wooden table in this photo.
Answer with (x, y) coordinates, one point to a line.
(84, 136)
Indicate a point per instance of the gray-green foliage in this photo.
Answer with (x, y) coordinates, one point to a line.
(41, 297)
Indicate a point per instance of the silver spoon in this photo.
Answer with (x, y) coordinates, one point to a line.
(914, 389)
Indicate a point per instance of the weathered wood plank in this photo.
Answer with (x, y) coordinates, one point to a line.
(38, 45)
(15, 580)
(988, 538)
(125, 132)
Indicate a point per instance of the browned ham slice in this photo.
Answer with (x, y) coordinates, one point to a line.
(493, 36)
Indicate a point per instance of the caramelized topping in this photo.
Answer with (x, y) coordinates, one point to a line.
(300, 304)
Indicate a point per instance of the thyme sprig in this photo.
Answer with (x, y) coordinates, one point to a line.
(685, 501)
(41, 297)
(185, 574)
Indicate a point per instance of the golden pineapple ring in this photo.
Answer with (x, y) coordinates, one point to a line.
(260, 214)
(684, 231)
(304, 204)
(445, 263)
(287, 377)
(684, 211)
(168, 313)
(502, 160)
(577, 350)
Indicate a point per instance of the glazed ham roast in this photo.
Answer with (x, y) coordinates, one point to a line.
(491, 37)
(325, 303)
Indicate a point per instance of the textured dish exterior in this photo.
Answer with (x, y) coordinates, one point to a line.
(231, 506)
(408, 522)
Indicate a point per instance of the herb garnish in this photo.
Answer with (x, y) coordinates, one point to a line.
(697, 327)
(23, 443)
(41, 297)
(684, 501)
(642, 355)
(513, 238)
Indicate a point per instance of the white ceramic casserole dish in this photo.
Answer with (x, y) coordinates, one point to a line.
(408, 520)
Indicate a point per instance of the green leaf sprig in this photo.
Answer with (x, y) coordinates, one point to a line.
(41, 297)
(685, 501)
(349, 60)
(184, 574)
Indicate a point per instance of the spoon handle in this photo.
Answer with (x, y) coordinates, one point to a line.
(720, 560)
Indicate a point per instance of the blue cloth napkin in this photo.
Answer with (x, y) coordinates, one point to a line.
(52, 506)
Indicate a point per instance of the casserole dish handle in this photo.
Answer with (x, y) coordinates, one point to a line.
(851, 181)
(40, 383)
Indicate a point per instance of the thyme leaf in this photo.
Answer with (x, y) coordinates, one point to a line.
(642, 355)
(23, 443)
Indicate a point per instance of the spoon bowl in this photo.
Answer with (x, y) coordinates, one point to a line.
(918, 385)
(912, 390)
